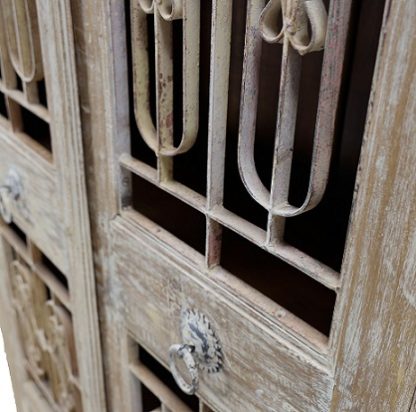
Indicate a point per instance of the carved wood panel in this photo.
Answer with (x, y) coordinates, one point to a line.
(141, 245)
(22, 79)
(41, 139)
(42, 304)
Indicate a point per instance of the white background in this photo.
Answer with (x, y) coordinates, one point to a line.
(7, 403)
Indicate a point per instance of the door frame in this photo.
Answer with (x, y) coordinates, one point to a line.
(56, 32)
(369, 329)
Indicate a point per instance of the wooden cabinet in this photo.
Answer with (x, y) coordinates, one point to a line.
(48, 310)
(248, 201)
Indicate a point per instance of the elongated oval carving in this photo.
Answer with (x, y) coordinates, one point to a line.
(21, 23)
(159, 136)
(262, 24)
(297, 16)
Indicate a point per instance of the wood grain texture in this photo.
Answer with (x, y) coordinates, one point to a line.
(8, 321)
(376, 364)
(141, 291)
(34, 401)
(55, 194)
(155, 284)
(55, 19)
(40, 197)
(104, 116)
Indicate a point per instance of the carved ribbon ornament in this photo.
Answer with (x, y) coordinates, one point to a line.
(296, 16)
(159, 136)
(304, 27)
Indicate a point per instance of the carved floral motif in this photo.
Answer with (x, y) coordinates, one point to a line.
(46, 332)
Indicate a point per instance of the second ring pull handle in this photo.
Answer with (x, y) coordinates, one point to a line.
(184, 352)
(5, 202)
(10, 193)
(200, 351)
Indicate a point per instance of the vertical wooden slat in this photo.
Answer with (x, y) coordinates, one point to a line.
(375, 329)
(249, 101)
(8, 320)
(285, 136)
(217, 123)
(158, 388)
(164, 93)
(55, 22)
(30, 90)
(14, 113)
(8, 73)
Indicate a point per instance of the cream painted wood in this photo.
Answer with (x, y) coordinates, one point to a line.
(38, 211)
(34, 401)
(169, 284)
(69, 154)
(375, 366)
(10, 333)
(54, 192)
(145, 275)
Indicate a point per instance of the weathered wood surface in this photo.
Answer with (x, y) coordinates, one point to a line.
(154, 284)
(8, 322)
(54, 185)
(42, 217)
(34, 401)
(102, 70)
(55, 21)
(100, 58)
(376, 363)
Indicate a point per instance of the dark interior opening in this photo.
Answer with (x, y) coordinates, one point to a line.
(178, 218)
(3, 107)
(149, 401)
(19, 84)
(281, 282)
(55, 271)
(18, 232)
(36, 128)
(43, 100)
(166, 377)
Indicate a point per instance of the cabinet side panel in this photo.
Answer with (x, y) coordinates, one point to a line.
(376, 366)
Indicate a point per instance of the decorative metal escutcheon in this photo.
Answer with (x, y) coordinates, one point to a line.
(10, 192)
(200, 350)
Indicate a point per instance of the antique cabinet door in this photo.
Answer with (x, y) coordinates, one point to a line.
(224, 140)
(48, 311)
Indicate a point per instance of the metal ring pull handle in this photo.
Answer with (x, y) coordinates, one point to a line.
(10, 193)
(200, 351)
(5, 201)
(185, 353)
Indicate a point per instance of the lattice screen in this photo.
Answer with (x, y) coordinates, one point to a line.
(237, 145)
(23, 98)
(42, 304)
